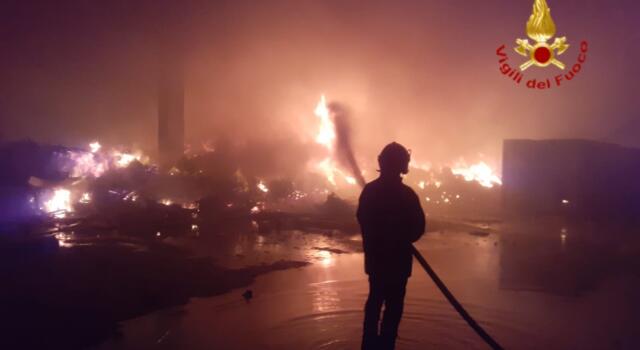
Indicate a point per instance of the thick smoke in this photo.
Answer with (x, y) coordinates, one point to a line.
(75, 71)
(343, 140)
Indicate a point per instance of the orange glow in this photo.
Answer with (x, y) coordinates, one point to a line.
(262, 187)
(59, 204)
(326, 137)
(479, 172)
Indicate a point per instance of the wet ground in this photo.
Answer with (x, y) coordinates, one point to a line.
(531, 286)
(70, 291)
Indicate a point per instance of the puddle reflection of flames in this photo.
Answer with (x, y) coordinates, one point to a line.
(326, 258)
(325, 296)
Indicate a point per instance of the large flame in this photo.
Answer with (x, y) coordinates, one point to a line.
(327, 133)
(540, 26)
(327, 138)
(59, 204)
(479, 172)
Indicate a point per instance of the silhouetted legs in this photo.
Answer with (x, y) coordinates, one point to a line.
(393, 307)
(372, 317)
(391, 294)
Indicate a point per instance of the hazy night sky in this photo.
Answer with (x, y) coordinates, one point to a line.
(424, 73)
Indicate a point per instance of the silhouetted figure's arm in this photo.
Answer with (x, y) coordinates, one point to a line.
(364, 212)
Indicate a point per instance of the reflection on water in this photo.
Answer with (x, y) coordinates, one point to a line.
(559, 288)
(325, 296)
(325, 258)
(251, 248)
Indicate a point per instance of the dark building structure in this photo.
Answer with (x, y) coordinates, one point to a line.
(582, 178)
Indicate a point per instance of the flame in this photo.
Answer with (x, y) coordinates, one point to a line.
(326, 167)
(95, 146)
(87, 164)
(350, 180)
(94, 163)
(123, 160)
(59, 204)
(85, 198)
(327, 138)
(262, 187)
(479, 172)
(327, 133)
(63, 240)
(540, 26)
(131, 196)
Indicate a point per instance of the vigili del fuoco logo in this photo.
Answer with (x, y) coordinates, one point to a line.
(540, 53)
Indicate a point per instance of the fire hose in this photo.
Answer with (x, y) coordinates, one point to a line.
(454, 302)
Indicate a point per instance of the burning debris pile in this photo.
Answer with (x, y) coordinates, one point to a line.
(76, 190)
(458, 190)
(98, 188)
(455, 189)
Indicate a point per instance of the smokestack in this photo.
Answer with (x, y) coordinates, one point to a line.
(171, 114)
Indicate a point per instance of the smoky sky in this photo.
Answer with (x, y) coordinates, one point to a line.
(423, 73)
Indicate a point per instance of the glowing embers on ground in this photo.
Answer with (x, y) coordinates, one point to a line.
(63, 239)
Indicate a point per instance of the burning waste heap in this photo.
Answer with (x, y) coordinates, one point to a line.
(101, 189)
